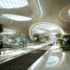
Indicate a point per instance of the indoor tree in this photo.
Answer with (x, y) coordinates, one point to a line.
(58, 35)
(36, 38)
(66, 39)
(46, 38)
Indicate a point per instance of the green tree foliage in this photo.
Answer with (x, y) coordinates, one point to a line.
(38, 39)
(35, 35)
(58, 35)
(60, 41)
(66, 39)
(46, 38)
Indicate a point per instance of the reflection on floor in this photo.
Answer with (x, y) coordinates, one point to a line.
(13, 53)
(53, 59)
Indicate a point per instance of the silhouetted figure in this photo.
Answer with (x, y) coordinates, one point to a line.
(1, 46)
(23, 44)
(26, 44)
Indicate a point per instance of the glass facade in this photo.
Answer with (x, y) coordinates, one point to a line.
(13, 38)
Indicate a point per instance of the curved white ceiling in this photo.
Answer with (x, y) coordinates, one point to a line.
(39, 11)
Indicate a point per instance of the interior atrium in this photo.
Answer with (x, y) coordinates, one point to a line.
(34, 34)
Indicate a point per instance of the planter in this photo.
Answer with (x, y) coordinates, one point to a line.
(65, 47)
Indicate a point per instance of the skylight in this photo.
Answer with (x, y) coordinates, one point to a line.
(39, 7)
(13, 3)
(46, 27)
(37, 31)
(16, 17)
(43, 28)
(68, 13)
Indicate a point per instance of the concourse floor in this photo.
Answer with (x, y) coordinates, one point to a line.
(8, 54)
(54, 59)
(24, 62)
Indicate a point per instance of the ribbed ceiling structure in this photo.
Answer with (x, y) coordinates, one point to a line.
(49, 11)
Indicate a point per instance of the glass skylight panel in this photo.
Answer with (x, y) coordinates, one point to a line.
(13, 3)
(38, 4)
(45, 27)
(37, 31)
(68, 13)
(42, 28)
(16, 17)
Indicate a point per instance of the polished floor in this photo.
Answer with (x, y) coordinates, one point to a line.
(24, 62)
(11, 53)
(54, 59)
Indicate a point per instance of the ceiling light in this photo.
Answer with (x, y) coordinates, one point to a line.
(16, 17)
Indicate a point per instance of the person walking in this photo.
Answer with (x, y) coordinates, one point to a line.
(1, 46)
(23, 44)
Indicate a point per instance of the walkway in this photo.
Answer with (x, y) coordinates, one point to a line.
(53, 59)
(11, 53)
(24, 62)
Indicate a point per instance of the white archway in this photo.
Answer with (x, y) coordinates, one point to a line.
(30, 30)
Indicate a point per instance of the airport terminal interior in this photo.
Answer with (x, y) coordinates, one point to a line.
(34, 34)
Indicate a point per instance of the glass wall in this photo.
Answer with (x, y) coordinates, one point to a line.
(10, 37)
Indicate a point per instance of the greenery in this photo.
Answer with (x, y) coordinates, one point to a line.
(60, 41)
(63, 40)
(58, 35)
(38, 39)
(46, 38)
(1, 27)
(58, 38)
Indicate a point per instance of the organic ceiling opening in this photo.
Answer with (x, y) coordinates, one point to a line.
(45, 29)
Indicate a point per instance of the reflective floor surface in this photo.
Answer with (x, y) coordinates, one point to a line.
(53, 59)
(9, 54)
